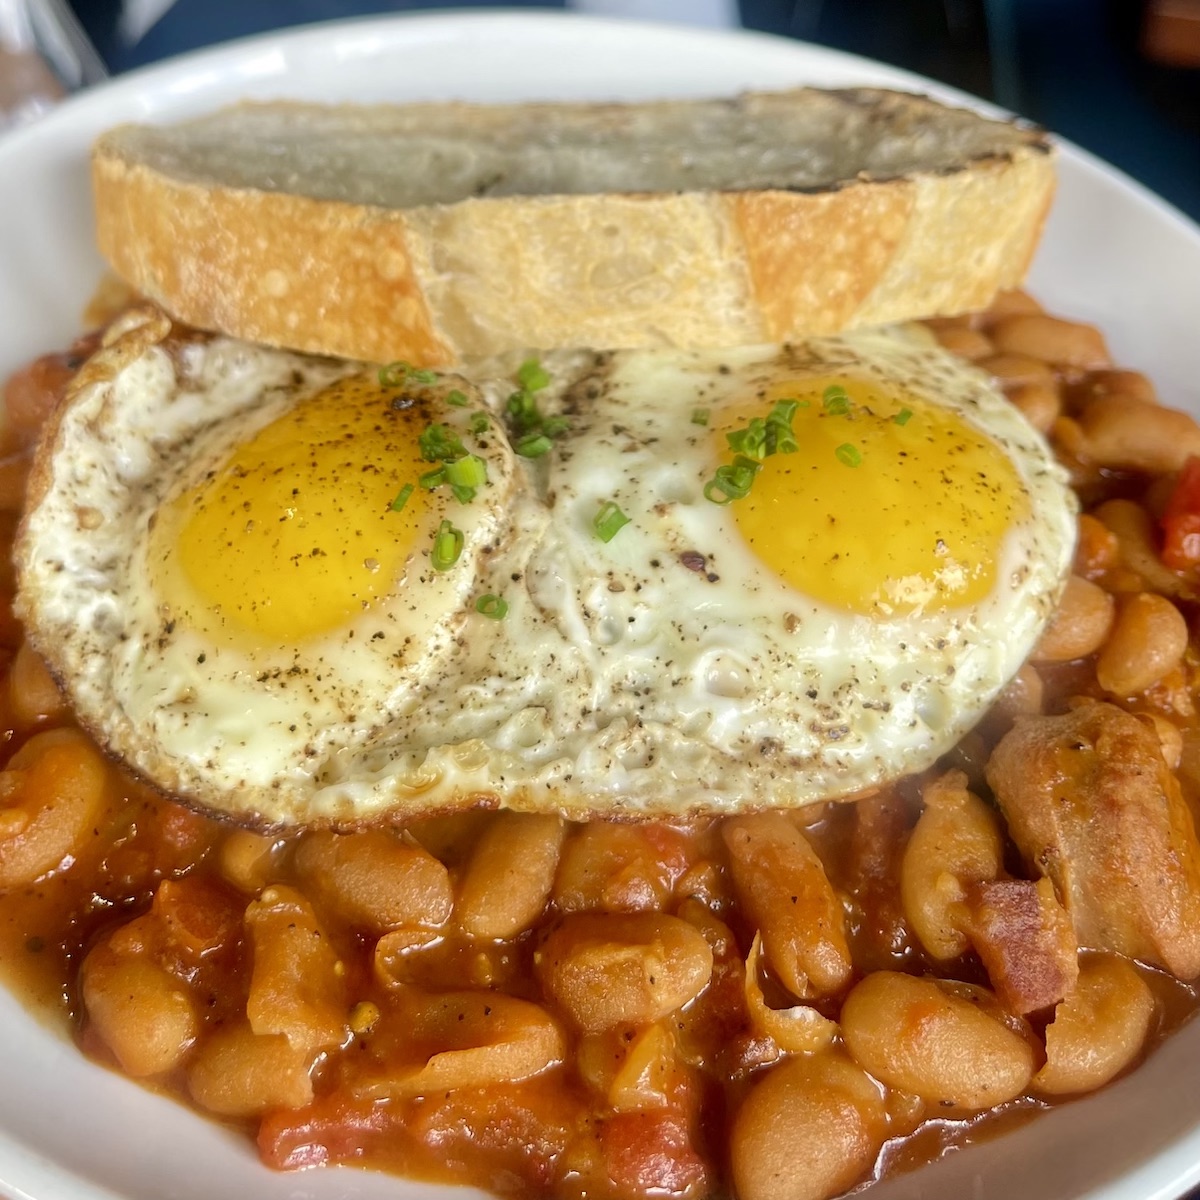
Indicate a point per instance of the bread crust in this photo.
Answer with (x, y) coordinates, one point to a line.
(438, 283)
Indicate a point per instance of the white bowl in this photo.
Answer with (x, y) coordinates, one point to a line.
(1113, 254)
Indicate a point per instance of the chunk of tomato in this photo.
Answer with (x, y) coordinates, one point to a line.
(330, 1130)
(1181, 520)
(651, 1153)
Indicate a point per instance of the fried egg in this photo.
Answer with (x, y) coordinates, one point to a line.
(645, 583)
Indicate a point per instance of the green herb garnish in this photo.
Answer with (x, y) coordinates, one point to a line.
(533, 445)
(468, 471)
(464, 472)
(532, 376)
(533, 434)
(751, 441)
(609, 521)
(523, 412)
(836, 400)
(447, 546)
(762, 437)
(492, 606)
(556, 426)
(396, 374)
(849, 455)
(732, 481)
(780, 437)
(440, 443)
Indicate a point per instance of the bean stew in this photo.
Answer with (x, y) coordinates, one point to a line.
(777, 1006)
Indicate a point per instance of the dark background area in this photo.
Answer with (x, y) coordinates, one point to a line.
(1079, 67)
(1090, 70)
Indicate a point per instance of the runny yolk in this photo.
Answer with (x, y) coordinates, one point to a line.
(889, 503)
(295, 532)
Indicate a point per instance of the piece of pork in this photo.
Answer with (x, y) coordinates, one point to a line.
(1092, 805)
(1024, 939)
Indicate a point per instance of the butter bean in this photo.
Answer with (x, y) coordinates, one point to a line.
(1080, 624)
(915, 1035)
(1098, 1030)
(1147, 641)
(1063, 343)
(510, 874)
(1133, 435)
(965, 342)
(607, 969)
(810, 1129)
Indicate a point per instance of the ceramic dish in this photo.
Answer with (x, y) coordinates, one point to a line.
(1113, 254)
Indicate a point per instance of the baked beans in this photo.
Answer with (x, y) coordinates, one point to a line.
(754, 1005)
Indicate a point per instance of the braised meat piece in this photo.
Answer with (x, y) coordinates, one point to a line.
(1092, 805)
(1024, 938)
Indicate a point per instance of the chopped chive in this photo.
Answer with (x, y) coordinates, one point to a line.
(394, 374)
(781, 440)
(836, 401)
(732, 481)
(609, 521)
(469, 471)
(463, 493)
(761, 437)
(556, 426)
(745, 468)
(447, 546)
(783, 412)
(480, 423)
(440, 443)
(433, 479)
(533, 445)
(526, 424)
(751, 441)
(903, 416)
(849, 455)
(699, 416)
(492, 606)
(523, 411)
(532, 376)
(402, 497)
(457, 398)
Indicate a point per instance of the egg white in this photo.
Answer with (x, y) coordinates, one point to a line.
(665, 672)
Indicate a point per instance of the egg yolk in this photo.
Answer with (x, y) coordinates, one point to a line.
(888, 503)
(296, 532)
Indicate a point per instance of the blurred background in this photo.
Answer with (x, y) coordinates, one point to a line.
(1119, 77)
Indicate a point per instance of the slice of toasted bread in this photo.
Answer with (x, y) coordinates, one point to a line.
(444, 231)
